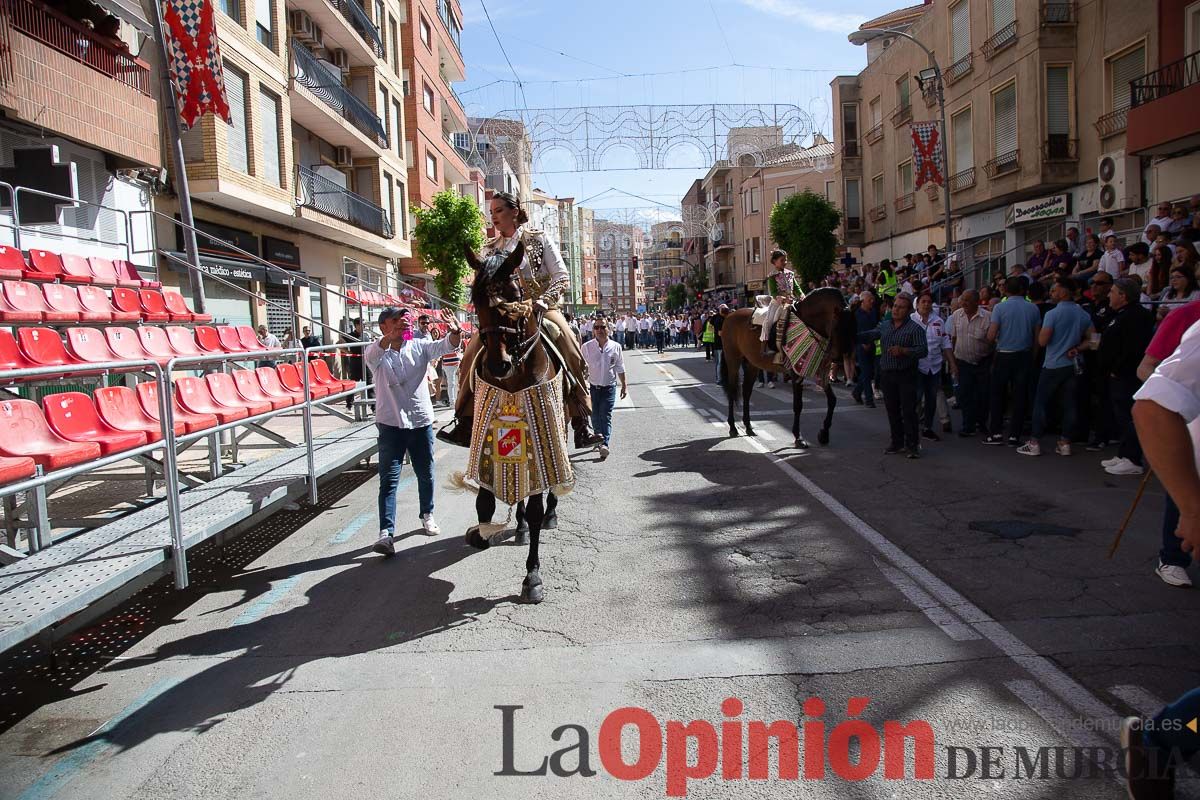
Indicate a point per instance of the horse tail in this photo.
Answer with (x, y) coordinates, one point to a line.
(844, 331)
(458, 482)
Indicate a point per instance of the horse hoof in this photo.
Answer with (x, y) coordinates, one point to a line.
(550, 523)
(750, 432)
(823, 437)
(801, 444)
(532, 590)
(475, 540)
(733, 432)
(521, 537)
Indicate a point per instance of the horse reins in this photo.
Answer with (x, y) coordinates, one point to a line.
(524, 347)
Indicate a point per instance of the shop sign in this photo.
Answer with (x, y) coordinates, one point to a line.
(1034, 210)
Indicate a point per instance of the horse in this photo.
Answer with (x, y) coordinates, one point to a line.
(825, 312)
(513, 358)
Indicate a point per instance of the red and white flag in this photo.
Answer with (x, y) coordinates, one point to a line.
(926, 153)
(196, 73)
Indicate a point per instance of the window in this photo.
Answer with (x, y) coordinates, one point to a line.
(426, 34)
(877, 190)
(405, 82)
(237, 135)
(1058, 112)
(263, 29)
(963, 146)
(386, 200)
(268, 114)
(430, 166)
(232, 9)
(876, 112)
(395, 44)
(828, 190)
(903, 98)
(960, 32)
(750, 201)
(1191, 28)
(755, 251)
(1122, 69)
(905, 175)
(1004, 120)
(784, 192)
(408, 153)
(850, 129)
(381, 110)
(853, 205)
(397, 127)
(1004, 13)
(427, 100)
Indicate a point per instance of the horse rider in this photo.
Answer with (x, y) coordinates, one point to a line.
(543, 278)
(781, 289)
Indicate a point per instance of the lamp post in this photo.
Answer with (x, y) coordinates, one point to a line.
(865, 35)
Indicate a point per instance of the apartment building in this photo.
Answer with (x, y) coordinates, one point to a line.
(570, 246)
(589, 269)
(619, 249)
(311, 174)
(1037, 93)
(695, 238)
(503, 149)
(664, 266)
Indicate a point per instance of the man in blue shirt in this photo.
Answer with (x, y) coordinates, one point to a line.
(866, 319)
(1065, 329)
(904, 344)
(1014, 330)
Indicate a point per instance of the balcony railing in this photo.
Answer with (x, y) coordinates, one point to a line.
(875, 134)
(1112, 123)
(905, 201)
(1000, 40)
(308, 71)
(902, 115)
(878, 212)
(452, 28)
(959, 69)
(327, 197)
(1003, 164)
(54, 29)
(1058, 148)
(963, 179)
(1058, 12)
(359, 20)
(850, 149)
(1165, 80)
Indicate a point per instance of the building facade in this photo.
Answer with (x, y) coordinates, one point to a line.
(619, 248)
(589, 268)
(663, 264)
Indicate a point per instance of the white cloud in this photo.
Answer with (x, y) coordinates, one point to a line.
(833, 22)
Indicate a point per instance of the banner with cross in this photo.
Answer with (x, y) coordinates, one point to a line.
(926, 154)
(196, 73)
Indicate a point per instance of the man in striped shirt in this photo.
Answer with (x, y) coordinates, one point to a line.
(903, 344)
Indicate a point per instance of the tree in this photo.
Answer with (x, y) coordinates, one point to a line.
(804, 225)
(697, 279)
(451, 223)
(676, 296)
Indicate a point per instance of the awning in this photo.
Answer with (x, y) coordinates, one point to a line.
(237, 270)
(131, 11)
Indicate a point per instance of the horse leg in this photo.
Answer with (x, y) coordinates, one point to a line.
(550, 522)
(522, 532)
(830, 404)
(532, 590)
(732, 366)
(797, 407)
(485, 508)
(748, 379)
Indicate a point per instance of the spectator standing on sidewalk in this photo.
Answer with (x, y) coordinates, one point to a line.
(660, 332)
(450, 363)
(1014, 330)
(606, 367)
(929, 369)
(717, 320)
(404, 413)
(866, 319)
(904, 344)
(1122, 346)
(269, 341)
(973, 356)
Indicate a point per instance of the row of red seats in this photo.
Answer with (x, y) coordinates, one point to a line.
(43, 347)
(368, 298)
(71, 428)
(47, 266)
(21, 301)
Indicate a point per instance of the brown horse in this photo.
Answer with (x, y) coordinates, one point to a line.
(825, 312)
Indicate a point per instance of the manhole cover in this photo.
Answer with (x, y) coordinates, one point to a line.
(1021, 529)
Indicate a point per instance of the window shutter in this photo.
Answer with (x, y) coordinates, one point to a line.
(237, 146)
(1004, 12)
(1128, 67)
(964, 147)
(1058, 101)
(960, 31)
(1004, 113)
(269, 115)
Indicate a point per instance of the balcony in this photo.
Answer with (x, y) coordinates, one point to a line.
(1060, 149)
(875, 135)
(1003, 164)
(337, 105)
(1058, 12)
(905, 201)
(958, 69)
(1163, 118)
(322, 194)
(361, 23)
(1112, 123)
(1002, 39)
(963, 179)
(341, 27)
(902, 115)
(448, 21)
(878, 213)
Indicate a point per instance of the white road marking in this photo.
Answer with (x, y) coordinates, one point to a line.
(1061, 718)
(1140, 700)
(669, 398)
(938, 615)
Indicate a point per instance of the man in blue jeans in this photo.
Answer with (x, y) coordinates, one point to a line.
(866, 319)
(1014, 330)
(404, 413)
(605, 368)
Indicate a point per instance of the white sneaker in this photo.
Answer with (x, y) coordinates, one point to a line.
(1063, 448)
(1111, 462)
(771, 385)
(429, 525)
(1124, 467)
(1172, 575)
(603, 449)
(1030, 448)
(878, 394)
(384, 545)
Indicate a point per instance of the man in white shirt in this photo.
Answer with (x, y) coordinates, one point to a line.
(269, 341)
(605, 368)
(404, 413)
(1162, 220)
(644, 324)
(621, 333)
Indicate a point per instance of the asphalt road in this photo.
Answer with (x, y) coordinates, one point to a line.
(968, 590)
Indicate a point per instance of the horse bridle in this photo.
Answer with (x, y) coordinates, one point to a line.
(524, 347)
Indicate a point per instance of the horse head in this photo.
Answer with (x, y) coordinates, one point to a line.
(504, 313)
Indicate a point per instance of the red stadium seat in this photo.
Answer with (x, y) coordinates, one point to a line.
(183, 341)
(147, 393)
(27, 298)
(289, 376)
(89, 346)
(119, 408)
(12, 263)
(268, 378)
(195, 397)
(248, 387)
(44, 266)
(10, 313)
(128, 274)
(352, 296)
(154, 308)
(225, 392)
(15, 469)
(249, 338)
(75, 269)
(318, 374)
(155, 342)
(24, 432)
(73, 417)
(208, 340)
(126, 344)
(61, 297)
(94, 298)
(44, 347)
(230, 342)
(178, 307)
(127, 300)
(11, 356)
(104, 272)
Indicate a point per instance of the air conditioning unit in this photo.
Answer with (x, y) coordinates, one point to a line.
(1120, 178)
(304, 29)
(340, 58)
(342, 157)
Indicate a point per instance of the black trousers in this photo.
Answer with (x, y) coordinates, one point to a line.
(900, 399)
(1015, 370)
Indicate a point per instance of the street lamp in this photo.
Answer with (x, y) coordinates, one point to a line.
(866, 35)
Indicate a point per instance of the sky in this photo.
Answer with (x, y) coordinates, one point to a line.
(578, 53)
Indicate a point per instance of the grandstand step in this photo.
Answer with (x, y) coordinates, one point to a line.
(46, 588)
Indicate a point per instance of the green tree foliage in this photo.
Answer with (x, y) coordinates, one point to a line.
(451, 223)
(676, 296)
(804, 226)
(698, 278)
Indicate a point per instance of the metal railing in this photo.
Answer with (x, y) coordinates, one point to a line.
(1058, 12)
(902, 114)
(1000, 40)
(875, 134)
(359, 20)
(447, 18)
(1059, 148)
(878, 213)
(1112, 123)
(54, 29)
(1167, 79)
(1003, 164)
(905, 201)
(963, 179)
(308, 71)
(327, 197)
(13, 194)
(959, 69)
